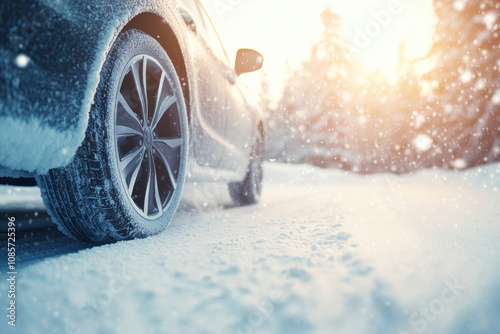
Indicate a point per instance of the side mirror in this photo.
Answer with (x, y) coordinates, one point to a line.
(247, 61)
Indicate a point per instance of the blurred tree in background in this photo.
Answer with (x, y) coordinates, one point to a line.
(334, 114)
(465, 124)
(311, 96)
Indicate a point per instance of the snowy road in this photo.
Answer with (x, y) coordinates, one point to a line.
(325, 252)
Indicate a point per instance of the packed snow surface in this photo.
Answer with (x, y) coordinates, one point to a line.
(324, 252)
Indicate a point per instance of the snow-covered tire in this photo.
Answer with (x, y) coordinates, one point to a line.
(126, 180)
(248, 191)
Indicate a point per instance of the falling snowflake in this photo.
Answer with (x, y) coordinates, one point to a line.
(466, 77)
(459, 5)
(422, 142)
(22, 60)
(459, 164)
(496, 97)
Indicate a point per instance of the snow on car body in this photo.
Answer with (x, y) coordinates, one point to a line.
(52, 57)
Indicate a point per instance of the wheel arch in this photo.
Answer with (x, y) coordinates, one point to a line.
(156, 27)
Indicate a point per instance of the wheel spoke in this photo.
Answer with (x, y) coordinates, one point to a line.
(133, 179)
(145, 87)
(130, 166)
(159, 203)
(129, 117)
(140, 91)
(158, 97)
(125, 131)
(170, 142)
(162, 107)
(161, 154)
(152, 197)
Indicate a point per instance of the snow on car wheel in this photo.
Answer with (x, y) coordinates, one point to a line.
(127, 177)
(248, 191)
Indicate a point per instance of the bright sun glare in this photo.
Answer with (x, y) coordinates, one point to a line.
(284, 30)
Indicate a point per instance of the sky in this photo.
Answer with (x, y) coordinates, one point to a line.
(284, 30)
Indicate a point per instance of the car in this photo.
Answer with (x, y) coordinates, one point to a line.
(112, 107)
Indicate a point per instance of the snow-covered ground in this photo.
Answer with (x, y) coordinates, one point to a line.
(325, 252)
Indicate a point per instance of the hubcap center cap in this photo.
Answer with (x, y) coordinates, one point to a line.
(148, 138)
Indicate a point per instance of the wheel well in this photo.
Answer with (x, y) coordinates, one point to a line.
(19, 182)
(158, 28)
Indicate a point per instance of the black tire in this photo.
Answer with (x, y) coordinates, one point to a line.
(248, 191)
(94, 198)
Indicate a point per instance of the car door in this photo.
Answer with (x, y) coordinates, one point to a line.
(237, 115)
(209, 124)
(241, 120)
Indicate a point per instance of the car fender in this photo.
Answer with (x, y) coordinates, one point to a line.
(51, 55)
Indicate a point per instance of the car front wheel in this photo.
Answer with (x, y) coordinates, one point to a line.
(127, 177)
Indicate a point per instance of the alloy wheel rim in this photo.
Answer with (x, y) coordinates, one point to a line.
(148, 137)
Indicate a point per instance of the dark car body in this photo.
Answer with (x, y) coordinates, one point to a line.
(51, 54)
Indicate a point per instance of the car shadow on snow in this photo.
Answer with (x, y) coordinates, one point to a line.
(38, 244)
(37, 238)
